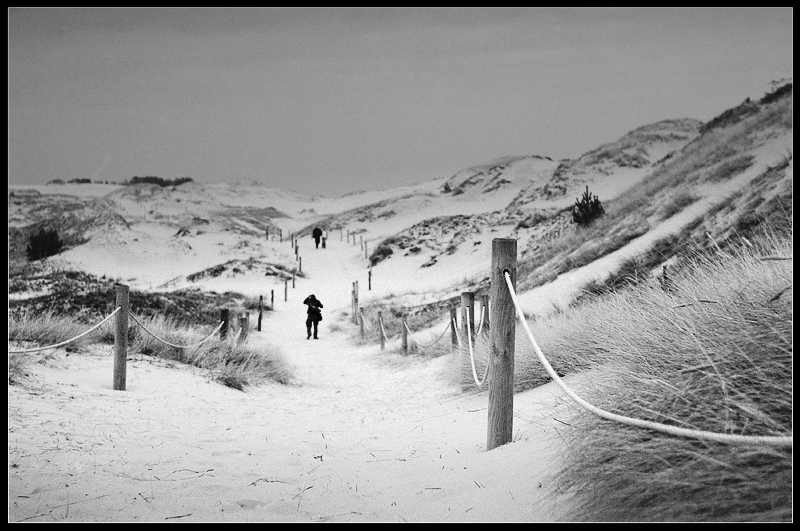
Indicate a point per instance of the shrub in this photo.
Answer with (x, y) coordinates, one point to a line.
(43, 244)
(587, 209)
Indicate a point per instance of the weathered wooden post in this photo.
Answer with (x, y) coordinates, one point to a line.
(355, 299)
(369, 280)
(224, 316)
(281, 233)
(501, 360)
(272, 299)
(380, 329)
(260, 309)
(341, 237)
(296, 251)
(244, 326)
(485, 310)
(353, 307)
(293, 274)
(453, 331)
(121, 338)
(361, 241)
(267, 234)
(285, 289)
(467, 319)
(301, 264)
(366, 254)
(361, 322)
(405, 336)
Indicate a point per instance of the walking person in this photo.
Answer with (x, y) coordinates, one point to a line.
(317, 234)
(314, 315)
(324, 239)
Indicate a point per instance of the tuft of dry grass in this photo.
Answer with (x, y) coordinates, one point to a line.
(715, 355)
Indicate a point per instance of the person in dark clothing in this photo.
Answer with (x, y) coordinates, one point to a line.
(317, 234)
(314, 315)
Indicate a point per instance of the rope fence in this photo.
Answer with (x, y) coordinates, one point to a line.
(172, 344)
(761, 440)
(478, 382)
(121, 328)
(95, 327)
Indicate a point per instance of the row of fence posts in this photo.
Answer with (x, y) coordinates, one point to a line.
(502, 316)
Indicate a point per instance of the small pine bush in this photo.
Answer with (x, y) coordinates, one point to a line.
(43, 244)
(587, 209)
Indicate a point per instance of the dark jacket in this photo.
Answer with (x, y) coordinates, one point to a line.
(314, 305)
(317, 234)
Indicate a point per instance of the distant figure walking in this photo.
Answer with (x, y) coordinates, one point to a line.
(317, 234)
(314, 315)
(324, 239)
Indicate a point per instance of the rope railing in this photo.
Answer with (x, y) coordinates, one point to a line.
(761, 440)
(472, 356)
(480, 324)
(37, 349)
(172, 344)
(426, 345)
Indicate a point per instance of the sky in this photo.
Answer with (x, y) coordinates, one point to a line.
(333, 101)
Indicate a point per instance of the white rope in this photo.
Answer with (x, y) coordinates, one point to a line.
(172, 344)
(68, 340)
(472, 356)
(672, 430)
(458, 334)
(480, 324)
(425, 345)
(238, 333)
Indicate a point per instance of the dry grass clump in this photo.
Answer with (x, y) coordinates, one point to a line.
(715, 355)
(231, 363)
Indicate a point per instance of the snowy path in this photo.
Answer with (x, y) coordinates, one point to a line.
(359, 438)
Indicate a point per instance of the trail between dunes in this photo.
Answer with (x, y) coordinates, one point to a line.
(362, 436)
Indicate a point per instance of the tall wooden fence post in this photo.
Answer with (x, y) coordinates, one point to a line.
(224, 316)
(293, 274)
(380, 329)
(404, 336)
(361, 322)
(301, 264)
(121, 338)
(285, 289)
(260, 309)
(272, 299)
(453, 331)
(369, 280)
(501, 360)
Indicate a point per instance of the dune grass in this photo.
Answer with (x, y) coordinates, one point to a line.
(714, 354)
(230, 363)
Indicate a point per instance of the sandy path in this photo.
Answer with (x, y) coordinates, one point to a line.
(359, 438)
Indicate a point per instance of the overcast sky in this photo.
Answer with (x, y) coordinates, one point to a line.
(330, 101)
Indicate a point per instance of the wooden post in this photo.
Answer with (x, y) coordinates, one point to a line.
(355, 298)
(380, 329)
(296, 251)
(468, 303)
(267, 234)
(281, 233)
(501, 360)
(353, 308)
(405, 336)
(293, 273)
(485, 310)
(361, 323)
(369, 280)
(244, 325)
(121, 338)
(285, 289)
(361, 241)
(301, 264)
(341, 238)
(365, 251)
(224, 316)
(453, 331)
(260, 309)
(272, 299)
